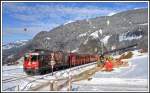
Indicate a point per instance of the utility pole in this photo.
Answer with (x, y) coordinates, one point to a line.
(52, 62)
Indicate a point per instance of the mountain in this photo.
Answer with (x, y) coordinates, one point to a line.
(86, 36)
(13, 51)
(14, 44)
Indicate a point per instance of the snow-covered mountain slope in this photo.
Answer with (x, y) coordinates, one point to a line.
(14, 44)
(130, 35)
(119, 30)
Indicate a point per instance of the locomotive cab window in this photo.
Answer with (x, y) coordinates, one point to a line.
(34, 58)
(41, 57)
(26, 58)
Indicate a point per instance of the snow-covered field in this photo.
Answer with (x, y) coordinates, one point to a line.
(11, 72)
(131, 78)
(8, 70)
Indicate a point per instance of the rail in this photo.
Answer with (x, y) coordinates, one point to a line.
(14, 79)
(74, 68)
(63, 72)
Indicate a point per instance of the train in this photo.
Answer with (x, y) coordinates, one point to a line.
(39, 61)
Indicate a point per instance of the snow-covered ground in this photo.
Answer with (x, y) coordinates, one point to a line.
(134, 77)
(10, 72)
(131, 78)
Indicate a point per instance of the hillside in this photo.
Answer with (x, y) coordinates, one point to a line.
(84, 36)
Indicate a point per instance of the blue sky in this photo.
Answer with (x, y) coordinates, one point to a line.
(44, 16)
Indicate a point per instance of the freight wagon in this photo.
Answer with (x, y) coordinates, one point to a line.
(40, 61)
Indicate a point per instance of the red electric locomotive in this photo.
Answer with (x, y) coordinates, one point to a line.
(40, 61)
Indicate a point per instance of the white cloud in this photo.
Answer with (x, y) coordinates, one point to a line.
(41, 17)
(32, 13)
(45, 17)
(24, 17)
(31, 30)
(139, 7)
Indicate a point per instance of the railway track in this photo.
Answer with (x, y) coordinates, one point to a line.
(35, 79)
(56, 77)
(15, 78)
